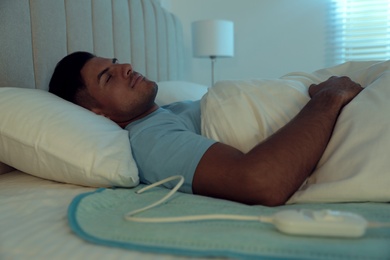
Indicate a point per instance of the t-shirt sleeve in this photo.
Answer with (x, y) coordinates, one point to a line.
(166, 150)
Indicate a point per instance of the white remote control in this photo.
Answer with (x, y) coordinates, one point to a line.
(320, 223)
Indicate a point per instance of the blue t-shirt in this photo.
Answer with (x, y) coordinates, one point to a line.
(168, 142)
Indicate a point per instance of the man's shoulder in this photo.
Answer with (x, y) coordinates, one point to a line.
(178, 107)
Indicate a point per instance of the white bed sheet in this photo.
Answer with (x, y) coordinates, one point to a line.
(33, 223)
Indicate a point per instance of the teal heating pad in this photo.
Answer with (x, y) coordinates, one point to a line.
(98, 217)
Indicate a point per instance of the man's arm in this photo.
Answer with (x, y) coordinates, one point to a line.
(274, 169)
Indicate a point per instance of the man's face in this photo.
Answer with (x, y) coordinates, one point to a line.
(122, 94)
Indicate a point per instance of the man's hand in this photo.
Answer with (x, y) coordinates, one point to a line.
(340, 87)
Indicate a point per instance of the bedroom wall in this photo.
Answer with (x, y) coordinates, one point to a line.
(272, 37)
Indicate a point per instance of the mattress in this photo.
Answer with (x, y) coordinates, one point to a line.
(34, 225)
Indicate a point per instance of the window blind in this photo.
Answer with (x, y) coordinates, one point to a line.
(359, 30)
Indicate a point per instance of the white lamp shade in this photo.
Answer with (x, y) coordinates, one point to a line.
(213, 38)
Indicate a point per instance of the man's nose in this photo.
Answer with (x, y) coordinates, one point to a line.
(127, 69)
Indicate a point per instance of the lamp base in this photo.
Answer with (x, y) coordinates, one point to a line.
(213, 60)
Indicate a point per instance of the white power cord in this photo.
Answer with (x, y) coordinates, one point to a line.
(294, 222)
(130, 216)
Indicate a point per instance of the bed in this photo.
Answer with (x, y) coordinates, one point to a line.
(49, 166)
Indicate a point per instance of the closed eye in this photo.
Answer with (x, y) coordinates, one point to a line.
(114, 61)
(106, 72)
(108, 78)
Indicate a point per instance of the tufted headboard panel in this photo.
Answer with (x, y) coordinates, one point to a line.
(36, 34)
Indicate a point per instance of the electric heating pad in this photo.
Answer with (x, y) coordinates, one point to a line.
(100, 217)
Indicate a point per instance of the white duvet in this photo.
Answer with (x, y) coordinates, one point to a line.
(356, 162)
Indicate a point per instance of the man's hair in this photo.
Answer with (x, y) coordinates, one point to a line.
(67, 82)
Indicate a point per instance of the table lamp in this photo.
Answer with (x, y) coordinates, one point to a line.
(213, 39)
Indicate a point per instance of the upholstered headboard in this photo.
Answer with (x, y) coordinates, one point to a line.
(35, 35)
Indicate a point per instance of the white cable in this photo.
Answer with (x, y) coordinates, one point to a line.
(129, 216)
(378, 224)
(200, 218)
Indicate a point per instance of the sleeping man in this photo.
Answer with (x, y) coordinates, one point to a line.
(167, 140)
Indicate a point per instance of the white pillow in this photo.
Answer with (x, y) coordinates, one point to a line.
(173, 91)
(46, 136)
